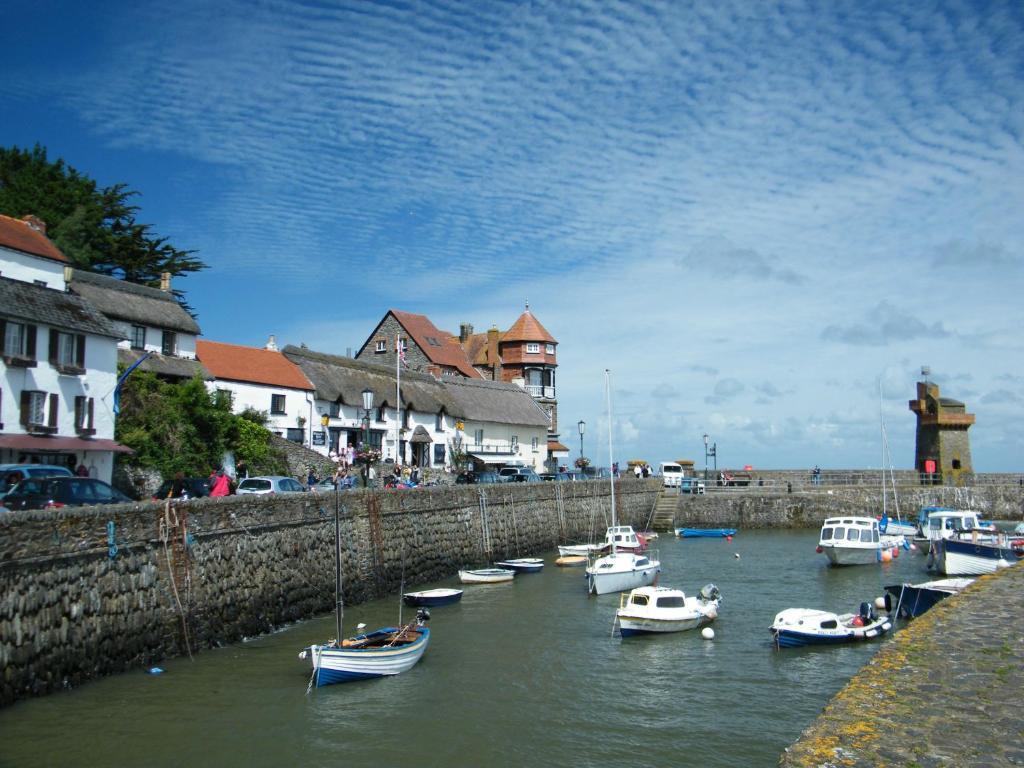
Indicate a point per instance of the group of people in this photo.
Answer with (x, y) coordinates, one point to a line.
(642, 470)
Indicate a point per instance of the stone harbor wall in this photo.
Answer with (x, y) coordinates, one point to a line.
(774, 507)
(93, 591)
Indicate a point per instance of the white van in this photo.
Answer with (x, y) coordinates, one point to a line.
(671, 473)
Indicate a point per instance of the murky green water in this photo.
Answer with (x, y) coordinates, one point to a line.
(517, 674)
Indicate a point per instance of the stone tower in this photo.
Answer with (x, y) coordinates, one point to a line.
(943, 453)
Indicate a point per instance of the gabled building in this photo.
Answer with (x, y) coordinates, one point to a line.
(262, 379)
(153, 326)
(427, 348)
(59, 361)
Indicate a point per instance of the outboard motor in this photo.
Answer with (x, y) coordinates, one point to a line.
(709, 593)
(867, 612)
(422, 616)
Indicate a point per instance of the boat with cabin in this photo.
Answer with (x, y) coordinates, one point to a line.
(855, 541)
(942, 522)
(798, 627)
(651, 610)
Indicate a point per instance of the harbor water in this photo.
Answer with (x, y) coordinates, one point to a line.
(517, 674)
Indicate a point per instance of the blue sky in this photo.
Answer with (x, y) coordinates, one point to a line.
(750, 211)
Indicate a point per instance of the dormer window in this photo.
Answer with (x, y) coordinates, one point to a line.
(169, 346)
(138, 337)
(533, 349)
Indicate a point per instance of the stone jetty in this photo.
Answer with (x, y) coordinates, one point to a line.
(943, 692)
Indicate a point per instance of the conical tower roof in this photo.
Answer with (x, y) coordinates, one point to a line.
(527, 328)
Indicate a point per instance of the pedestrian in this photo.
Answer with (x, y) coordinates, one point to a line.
(82, 471)
(414, 475)
(242, 469)
(221, 484)
(637, 472)
(311, 479)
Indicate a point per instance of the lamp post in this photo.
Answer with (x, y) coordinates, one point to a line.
(705, 458)
(582, 427)
(367, 407)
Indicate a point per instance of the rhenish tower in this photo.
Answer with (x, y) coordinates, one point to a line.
(943, 448)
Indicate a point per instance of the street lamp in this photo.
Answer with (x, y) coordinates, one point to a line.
(705, 458)
(367, 407)
(712, 451)
(582, 426)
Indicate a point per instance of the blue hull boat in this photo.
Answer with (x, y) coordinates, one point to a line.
(705, 533)
(799, 627)
(432, 598)
(911, 600)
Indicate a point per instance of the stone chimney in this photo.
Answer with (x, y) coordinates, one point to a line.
(465, 331)
(36, 223)
(165, 282)
(271, 344)
(492, 352)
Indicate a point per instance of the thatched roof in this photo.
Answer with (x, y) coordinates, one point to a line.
(31, 303)
(168, 367)
(134, 303)
(497, 401)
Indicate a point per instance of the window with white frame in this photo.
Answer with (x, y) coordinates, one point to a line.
(138, 340)
(16, 339)
(549, 348)
(534, 443)
(515, 443)
(380, 346)
(34, 408)
(533, 349)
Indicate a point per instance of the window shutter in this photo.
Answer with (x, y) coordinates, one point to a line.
(31, 331)
(53, 346)
(80, 350)
(54, 405)
(89, 423)
(25, 400)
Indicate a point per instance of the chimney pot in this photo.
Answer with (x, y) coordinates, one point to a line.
(465, 331)
(165, 282)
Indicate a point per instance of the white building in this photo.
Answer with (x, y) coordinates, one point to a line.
(59, 363)
(264, 380)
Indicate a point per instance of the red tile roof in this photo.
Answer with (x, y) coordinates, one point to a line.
(446, 351)
(527, 328)
(250, 364)
(19, 235)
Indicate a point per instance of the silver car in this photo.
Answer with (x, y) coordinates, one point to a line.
(268, 484)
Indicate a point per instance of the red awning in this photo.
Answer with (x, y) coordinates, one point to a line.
(37, 443)
(554, 445)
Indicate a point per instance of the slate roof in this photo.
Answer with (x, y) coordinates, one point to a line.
(170, 366)
(254, 365)
(33, 303)
(528, 328)
(342, 380)
(19, 235)
(135, 303)
(445, 351)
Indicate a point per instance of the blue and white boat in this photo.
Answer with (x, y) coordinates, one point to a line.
(909, 601)
(523, 564)
(705, 533)
(383, 652)
(387, 651)
(972, 553)
(432, 598)
(798, 627)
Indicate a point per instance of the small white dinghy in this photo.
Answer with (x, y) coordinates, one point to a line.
(523, 564)
(647, 610)
(486, 575)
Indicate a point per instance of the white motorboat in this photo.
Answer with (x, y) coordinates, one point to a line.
(647, 610)
(618, 571)
(486, 575)
(797, 627)
(624, 539)
(974, 553)
(855, 541)
(582, 550)
(943, 523)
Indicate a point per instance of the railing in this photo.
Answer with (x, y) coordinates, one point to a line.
(536, 390)
(491, 447)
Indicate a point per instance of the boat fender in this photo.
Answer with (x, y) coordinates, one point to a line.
(818, 549)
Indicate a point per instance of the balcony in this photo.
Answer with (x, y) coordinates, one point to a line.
(536, 390)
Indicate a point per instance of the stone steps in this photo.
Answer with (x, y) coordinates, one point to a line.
(665, 511)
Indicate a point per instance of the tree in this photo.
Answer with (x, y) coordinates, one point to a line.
(95, 228)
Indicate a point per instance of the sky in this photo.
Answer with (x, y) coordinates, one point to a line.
(758, 215)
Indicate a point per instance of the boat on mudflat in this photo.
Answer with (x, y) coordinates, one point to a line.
(911, 600)
(486, 575)
(432, 597)
(705, 533)
(798, 627)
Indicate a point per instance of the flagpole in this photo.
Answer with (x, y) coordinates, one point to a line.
(398, 396)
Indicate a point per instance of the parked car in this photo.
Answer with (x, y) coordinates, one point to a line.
(474, 478)
(56, 492)
(518, 475)
(269, 484)
(12, 474)
(195, 487)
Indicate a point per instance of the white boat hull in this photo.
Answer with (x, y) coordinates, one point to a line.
(838, 555)
(621, 571)
(574, 550)
(333, 664)
(486, 576)
(969, 558)
(652, 616)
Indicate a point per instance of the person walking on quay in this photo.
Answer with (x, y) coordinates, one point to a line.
(311, 479)
(220, 485)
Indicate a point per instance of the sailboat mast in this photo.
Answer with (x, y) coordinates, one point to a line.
(611, 478)
(881, 422)
(339, 604)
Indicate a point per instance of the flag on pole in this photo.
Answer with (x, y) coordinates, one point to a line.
(401, 351)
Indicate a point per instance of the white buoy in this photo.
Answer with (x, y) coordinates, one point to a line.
(880, 603)
(707, 633)
(736, 555)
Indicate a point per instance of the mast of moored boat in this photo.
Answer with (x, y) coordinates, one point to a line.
(339, 604)
(611, 477)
